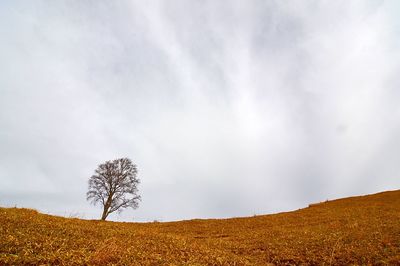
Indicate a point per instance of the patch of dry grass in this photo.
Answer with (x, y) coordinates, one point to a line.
(359, 230)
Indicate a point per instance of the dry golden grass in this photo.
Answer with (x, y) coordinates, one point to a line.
(359, 230)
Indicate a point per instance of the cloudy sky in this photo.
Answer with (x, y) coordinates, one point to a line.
(228, 108)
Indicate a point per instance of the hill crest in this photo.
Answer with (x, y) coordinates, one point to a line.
(355, 230)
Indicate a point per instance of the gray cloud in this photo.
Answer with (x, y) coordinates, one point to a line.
(228, 109)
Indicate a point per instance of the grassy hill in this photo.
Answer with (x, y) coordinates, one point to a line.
(358, 230)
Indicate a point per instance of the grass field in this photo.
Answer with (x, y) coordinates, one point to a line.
(359, 230)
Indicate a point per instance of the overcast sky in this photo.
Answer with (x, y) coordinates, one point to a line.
(228, 108)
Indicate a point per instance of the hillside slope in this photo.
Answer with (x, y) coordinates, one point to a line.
(358, 230)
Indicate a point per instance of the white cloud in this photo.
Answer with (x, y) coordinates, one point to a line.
(227, 108)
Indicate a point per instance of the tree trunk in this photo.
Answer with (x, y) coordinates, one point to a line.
(105, 213)
(106, 208)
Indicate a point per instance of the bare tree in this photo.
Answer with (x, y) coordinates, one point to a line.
(114, 185)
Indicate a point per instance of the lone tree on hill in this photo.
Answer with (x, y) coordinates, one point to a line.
(114, 185)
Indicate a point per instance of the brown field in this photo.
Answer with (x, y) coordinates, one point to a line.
(359, 230)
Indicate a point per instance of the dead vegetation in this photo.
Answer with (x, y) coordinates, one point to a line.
(359, 230)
